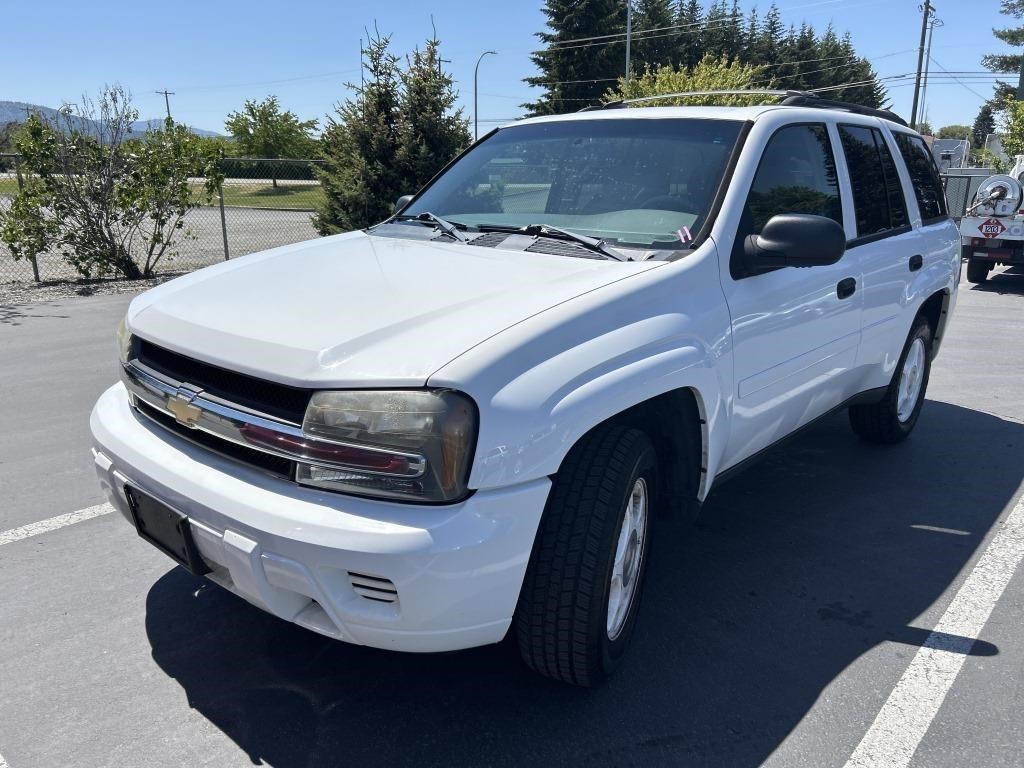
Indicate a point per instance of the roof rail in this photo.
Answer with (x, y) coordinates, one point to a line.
(813, 100)
(789, 99)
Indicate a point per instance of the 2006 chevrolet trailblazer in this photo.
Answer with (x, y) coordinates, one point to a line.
(464, 421)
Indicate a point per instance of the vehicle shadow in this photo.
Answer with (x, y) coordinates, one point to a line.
(800, 565)
(1007, 282)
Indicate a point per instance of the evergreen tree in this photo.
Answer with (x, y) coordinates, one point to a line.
(652, 49)
(432, 131)
(717, 34)
(1011, 36)
(872, 94)
(984, 124)
(361, 176)
(751, 39)
(574, 75)
(769, 45)
(691, 47)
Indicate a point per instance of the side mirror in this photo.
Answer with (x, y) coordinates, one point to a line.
(403, 201)
(794, 240)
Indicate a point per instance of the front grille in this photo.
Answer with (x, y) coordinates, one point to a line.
(283, 468)
(280, 400)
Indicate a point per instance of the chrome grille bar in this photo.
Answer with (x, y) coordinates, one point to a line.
(190, 407)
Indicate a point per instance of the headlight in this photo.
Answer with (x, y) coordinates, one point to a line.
(124, 342)
(401, 444)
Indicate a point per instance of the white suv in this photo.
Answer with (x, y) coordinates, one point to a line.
(465, 420)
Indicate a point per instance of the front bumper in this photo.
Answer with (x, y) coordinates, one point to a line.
(457, 570)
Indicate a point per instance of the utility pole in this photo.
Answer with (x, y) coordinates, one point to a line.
(476, 111)
(935, 22)
(928, 11)
(629, 33)
(167, 99)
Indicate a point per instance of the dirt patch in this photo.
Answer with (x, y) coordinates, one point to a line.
(18, 292)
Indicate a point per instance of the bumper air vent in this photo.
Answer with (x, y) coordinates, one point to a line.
(373, 587)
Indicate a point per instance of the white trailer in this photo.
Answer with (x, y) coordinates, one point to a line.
(992, 231)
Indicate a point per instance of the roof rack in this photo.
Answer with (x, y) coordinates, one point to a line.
(789, 99)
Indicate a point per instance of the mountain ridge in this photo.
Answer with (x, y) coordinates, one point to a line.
(15, 112)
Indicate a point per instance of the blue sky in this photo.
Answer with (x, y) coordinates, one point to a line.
(216, 54)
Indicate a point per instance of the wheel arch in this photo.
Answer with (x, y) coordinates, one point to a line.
(676, 422)
(935, 309)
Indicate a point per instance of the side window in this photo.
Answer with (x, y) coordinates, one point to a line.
(797, 174)
(923, 175)
(877, 194)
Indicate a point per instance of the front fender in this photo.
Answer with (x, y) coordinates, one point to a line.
(544, 383)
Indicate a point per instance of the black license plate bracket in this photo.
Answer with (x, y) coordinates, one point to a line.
(166, 529)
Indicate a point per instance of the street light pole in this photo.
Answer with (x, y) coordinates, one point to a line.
(476, 112)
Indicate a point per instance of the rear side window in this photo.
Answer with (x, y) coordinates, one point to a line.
(877, 193)
(924, 176)
(797, 174)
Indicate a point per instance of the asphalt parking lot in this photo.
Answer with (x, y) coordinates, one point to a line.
(809, 619)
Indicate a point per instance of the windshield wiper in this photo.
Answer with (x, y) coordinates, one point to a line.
(447, 227)
(590, 243)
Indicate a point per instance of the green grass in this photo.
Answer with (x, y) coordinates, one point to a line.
(298, 197)
(8, 187)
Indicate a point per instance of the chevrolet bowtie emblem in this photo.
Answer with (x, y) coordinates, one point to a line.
(181, 406)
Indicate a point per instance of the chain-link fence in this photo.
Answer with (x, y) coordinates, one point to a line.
(263, 204)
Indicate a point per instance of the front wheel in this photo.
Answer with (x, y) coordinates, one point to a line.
(579, 600)
(893, 419)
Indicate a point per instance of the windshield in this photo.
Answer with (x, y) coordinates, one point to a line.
(637, 181)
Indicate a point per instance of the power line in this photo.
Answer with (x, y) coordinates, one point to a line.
(643, 35)
(957, 79)
(266, 82)
(731, 17)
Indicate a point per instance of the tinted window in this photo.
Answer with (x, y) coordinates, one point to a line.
(633, 181)
(923, 176)
(797, 174)
(877, 194)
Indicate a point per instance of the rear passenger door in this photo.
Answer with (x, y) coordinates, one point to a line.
(884, 245)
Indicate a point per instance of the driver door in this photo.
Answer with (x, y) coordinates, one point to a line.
(795, 331)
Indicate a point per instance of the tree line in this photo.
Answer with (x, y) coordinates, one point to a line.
(583, 52)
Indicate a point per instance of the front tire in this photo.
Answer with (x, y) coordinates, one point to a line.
(893, 419)
(579, 600)
(977, 270)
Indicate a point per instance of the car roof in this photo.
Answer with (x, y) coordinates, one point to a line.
(739, 114)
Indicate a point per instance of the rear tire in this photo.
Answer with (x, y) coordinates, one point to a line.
(572, 623)
(977, 270)
(893, 419)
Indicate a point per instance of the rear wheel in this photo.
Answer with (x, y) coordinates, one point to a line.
(977, 270)
(579, 600)
(893, 419)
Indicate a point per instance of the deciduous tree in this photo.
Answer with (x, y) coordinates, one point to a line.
(106, 201)
(262, 129)
(708, 74)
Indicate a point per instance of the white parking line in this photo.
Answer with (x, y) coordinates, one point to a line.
(45, 526)
(3, 763)
(904, 718)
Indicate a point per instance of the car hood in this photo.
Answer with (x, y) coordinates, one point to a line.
(357, 310)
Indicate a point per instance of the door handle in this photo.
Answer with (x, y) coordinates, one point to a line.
(916, 262)
(846, 287)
